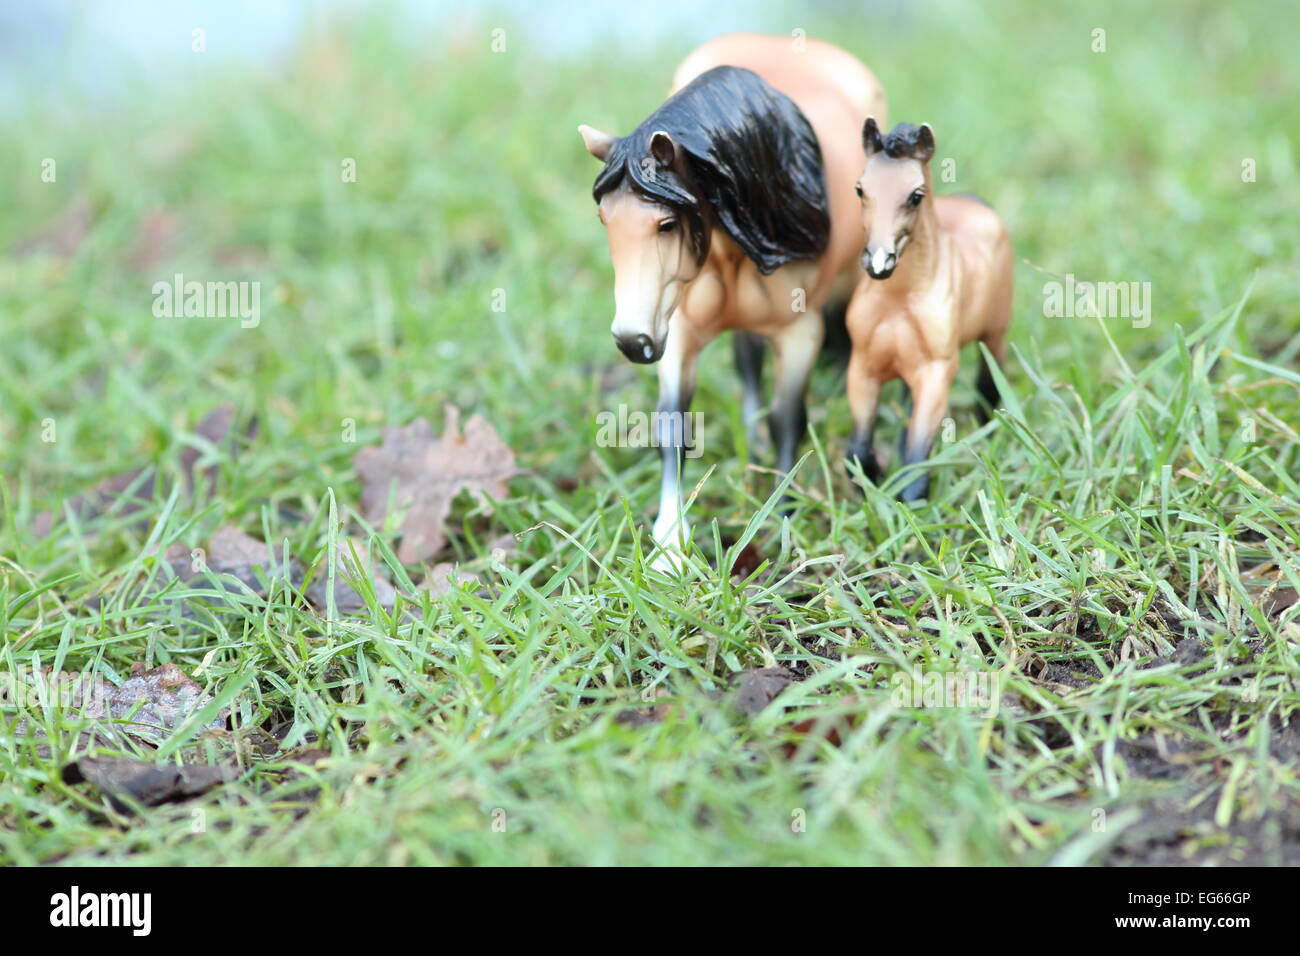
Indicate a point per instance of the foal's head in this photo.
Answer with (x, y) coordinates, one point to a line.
(893, 188)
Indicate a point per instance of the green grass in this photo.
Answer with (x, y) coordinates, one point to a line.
(1110, 511)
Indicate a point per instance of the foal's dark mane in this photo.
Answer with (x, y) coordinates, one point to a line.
(750, 155)
(902, 141)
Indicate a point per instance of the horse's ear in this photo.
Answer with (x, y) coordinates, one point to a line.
(662, 148)
(871, 140)
(924, 143)
(598, 143)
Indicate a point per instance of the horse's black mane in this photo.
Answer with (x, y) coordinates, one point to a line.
(750, 155)
(902, 141)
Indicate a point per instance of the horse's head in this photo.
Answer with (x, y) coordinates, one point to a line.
(655, 235)
(893, 187)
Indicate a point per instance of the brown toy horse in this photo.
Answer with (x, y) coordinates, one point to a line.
(910, 316)
(719, 218)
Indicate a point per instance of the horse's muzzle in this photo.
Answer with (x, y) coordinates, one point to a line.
(639, 348)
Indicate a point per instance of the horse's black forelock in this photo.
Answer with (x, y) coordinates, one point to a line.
(750, 158)
(629, 158)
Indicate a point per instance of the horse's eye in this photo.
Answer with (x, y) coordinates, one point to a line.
(915, 198)
(667, 225)
(857, 188)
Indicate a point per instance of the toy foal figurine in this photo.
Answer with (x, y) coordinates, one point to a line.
(718, 218)
(910, 315)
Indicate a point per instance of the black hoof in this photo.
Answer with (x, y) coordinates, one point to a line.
(916, 490)
(864, 458)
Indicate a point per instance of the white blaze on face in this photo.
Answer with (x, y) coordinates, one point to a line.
(887, 219)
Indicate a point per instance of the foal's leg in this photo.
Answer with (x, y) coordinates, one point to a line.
(929, 384)
(749, 348)
(902, 435)
(986, 385)
(796, 347)
(676, 388)
(864, 397)
(995, 340)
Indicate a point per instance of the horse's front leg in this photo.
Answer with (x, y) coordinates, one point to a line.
(672, 434)
(796, 347)
(929, 384)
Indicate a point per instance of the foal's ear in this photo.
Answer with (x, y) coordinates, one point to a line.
(871, 140)
(924, 143)
(662, 148)
(598, 143)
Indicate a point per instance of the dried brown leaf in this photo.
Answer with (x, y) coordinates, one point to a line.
(127, 782)
(443, 576)
(166, 697)
(347, 600)
(755, 689)
(424, 473)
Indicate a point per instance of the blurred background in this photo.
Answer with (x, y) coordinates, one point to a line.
(207, 139)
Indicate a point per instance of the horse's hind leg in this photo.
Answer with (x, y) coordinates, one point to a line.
(796, 347)
(748, 348)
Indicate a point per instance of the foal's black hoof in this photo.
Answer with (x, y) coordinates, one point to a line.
(867, 461)
(916, 490)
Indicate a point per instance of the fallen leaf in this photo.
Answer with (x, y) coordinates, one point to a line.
(347, 600)
(829, 728)
(127, 782)
(1188, 651)
(755, 689)
(308, 757)
(747, 562)
(125, 494)
(647, 714)
(1280, 600)
(503, 547)
(443, 576)
(1268, 584)
(253, 563)
(424, 473)
(165, 696)
(131, 491)
(230, 546)
(234, 553)
(216, 429)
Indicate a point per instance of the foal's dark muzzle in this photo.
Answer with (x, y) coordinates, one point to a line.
(640, 348)
(891, 263)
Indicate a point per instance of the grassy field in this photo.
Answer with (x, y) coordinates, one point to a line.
(1115, 554)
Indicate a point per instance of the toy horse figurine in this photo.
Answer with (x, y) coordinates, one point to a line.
(911, 314)
(718, 218)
